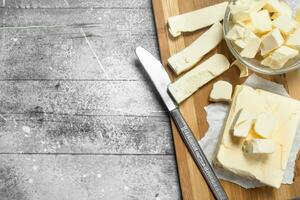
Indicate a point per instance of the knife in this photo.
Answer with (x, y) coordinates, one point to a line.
(161, 80)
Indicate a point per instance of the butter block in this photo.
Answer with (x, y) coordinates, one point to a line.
(280, 57)
(259, 146)
(190, 82)
(271, 41)
(294, 39)
(261, 22)
(265, 124)
(188, 57)
(251, 48)
(197, 19)
(285, 24)
(242, 124)
(221, 91)
(268, 169)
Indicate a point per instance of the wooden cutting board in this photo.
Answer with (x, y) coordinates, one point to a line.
(192, 183)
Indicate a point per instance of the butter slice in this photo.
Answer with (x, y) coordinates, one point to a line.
(294, 39)
(259, 146)
(267, 169)
(197, 19)
(261, 22)
(189, 83)
(285, 24)
(271, 41)
(280, 57)
(188, 57)
(242, 124)
(251, 48)
(221, 91)
(265, 124)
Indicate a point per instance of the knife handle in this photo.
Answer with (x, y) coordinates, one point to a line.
(198, 156)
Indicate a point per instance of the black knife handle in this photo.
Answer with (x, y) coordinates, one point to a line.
(198, 156)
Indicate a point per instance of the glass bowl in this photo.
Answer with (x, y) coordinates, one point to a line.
(252, 63)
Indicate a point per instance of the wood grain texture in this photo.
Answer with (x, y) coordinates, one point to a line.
(192, 184)
(110, 4)
(87, 177)
(134, 21)
(63, 53)
(78, 118)
(39, 132)
(80, 97)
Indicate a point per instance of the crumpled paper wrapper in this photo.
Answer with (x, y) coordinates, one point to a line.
(216, 118)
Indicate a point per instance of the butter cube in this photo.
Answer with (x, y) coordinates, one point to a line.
(261, 22)
(273, 6)
(242, 124)
(271, 41)
(251, 48)
(279, 57)
(294, 39)
(285, 24)
(240, 35)
(240, 12)
(284, 9)
(265, 124)
(297, 16)
(258, 146)
(222, 91)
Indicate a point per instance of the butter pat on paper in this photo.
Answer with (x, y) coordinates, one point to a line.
(216, 116)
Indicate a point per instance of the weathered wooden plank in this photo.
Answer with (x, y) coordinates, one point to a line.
(76, 3)
(80, 97)
(64, 53)
(37, 132)
(135, 21)
(87, 177)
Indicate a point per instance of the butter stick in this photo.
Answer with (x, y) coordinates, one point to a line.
(188, 57)
(189, 83)
(197, 19)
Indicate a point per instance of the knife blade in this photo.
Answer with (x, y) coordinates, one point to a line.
(161, 80)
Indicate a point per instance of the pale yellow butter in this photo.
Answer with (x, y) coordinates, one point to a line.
(271, 41)
(268, 169)
(285, 24)
(284, 9)
(242, 123)
(265, 124)
(251, 48)
(240, 35)
(294, 39)
(259, 146)
(189, 83)
(221, 91)
(280, 57)
(197, 19)
(261, 22)
(188, 57)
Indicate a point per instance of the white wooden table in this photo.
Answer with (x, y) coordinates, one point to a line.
(79, 119)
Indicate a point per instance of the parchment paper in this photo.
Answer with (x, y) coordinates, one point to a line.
(216, 118)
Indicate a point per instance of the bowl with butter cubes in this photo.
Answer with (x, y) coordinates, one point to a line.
(263, 35)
